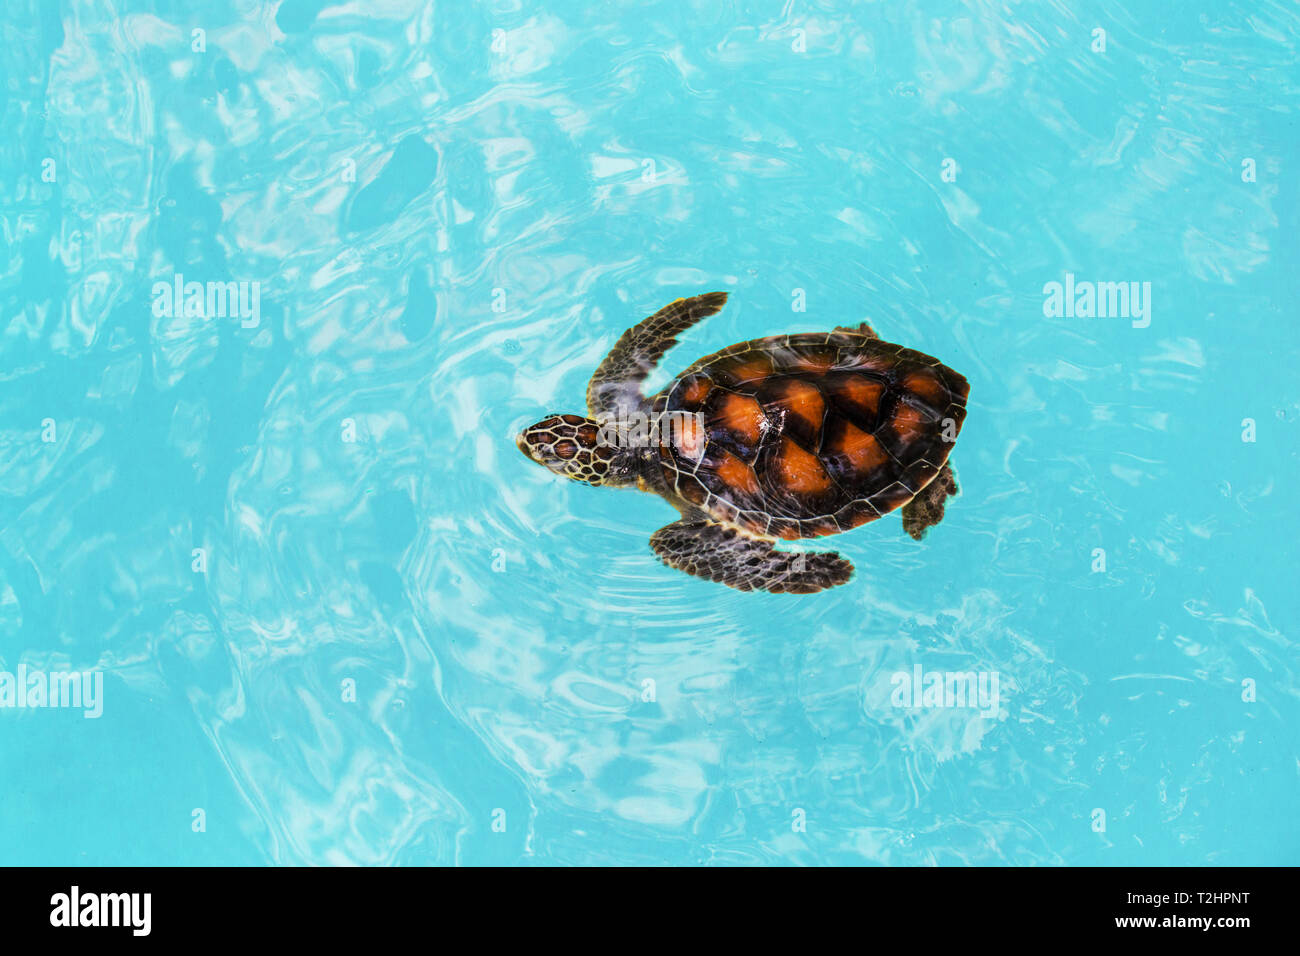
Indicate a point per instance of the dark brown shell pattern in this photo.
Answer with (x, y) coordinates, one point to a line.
(811, 434)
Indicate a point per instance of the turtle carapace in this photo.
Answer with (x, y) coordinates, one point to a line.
(790, 436)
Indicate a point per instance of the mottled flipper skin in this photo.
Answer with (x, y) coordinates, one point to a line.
(862, 329)
(617, 381)
(725, 555)
(926, 509)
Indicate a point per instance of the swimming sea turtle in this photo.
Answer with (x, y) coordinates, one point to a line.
(790, 436)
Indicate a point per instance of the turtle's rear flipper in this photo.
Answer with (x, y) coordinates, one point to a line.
(863, 329)
(721, 554)
(617, 382)
(926, 508)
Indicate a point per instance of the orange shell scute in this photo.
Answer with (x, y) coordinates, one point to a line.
(737, 474)
(752, 369)
(800, 471)
(804, 402)
(694, 394)
(742, 416)
(860, 393)
(861, 449)
(927, 387)
(907, 422)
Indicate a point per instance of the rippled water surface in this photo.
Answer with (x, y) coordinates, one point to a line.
(404, 643)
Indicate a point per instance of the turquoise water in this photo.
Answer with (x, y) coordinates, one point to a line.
(338, 617)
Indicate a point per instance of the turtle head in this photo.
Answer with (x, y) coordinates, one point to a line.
(578, 448)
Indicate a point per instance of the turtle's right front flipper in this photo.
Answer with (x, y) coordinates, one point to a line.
(722, 554)
(617, 382)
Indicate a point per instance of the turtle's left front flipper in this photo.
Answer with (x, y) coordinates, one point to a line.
(617, 381)
(722, 554)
